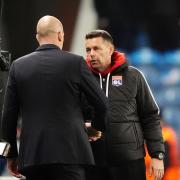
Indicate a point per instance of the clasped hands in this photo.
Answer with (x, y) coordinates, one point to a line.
(93, 133)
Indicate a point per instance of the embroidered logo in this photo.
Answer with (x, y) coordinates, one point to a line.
(116, 80)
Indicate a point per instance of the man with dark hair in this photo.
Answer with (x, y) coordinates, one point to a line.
(45, 87)
(133, 116)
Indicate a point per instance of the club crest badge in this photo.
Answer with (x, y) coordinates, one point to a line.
(116, 80)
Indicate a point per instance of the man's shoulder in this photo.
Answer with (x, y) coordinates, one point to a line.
(23, 58)
(72, 55)
(134, 70)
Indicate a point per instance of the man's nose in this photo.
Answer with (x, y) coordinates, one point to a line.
(92, 53)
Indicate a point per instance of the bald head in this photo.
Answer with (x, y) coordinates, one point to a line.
(49, 28)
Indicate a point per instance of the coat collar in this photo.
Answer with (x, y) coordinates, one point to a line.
(47, 46)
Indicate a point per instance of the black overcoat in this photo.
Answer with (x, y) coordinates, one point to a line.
(45, 88)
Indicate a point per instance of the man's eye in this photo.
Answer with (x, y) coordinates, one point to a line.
(96, 48)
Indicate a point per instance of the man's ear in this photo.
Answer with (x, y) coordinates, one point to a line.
(111, 49)
(37, 37)
(60, 36)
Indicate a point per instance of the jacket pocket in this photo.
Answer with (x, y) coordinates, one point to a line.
(121, 133)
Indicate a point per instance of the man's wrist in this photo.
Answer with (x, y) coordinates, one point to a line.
(158, 155)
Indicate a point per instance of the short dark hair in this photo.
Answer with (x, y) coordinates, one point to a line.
(100, 33)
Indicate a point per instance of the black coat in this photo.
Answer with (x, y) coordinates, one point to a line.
(133, 118)
(46, 86)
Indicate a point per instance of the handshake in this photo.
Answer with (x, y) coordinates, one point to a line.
(93, 133)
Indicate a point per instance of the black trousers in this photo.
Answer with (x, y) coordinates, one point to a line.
(133, 170)
(55, 172)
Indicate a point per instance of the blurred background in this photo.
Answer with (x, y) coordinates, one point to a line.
(147, 31)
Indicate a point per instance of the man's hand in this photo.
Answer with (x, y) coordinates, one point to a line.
(12, 167)
(156, 168)
(93, 133)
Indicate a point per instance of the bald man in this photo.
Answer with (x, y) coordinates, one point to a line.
(45, 89)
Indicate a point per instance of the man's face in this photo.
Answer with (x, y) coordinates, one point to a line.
(99, 52)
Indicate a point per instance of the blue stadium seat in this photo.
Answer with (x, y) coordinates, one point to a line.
(170, 76)
(145, 56)
(172, 57)
(168, 96)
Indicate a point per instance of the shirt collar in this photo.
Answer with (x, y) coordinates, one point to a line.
(47, 46)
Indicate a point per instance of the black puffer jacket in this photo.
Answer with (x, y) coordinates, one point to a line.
(133, 116)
